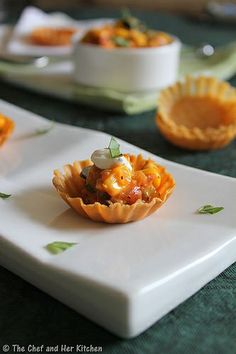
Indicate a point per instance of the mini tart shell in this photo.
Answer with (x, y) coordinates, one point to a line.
(7, 128)
(69, 183)
(206, 109)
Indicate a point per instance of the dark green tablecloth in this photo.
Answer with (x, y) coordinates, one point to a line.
(206, 323)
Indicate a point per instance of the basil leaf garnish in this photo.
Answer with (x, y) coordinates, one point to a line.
(120, 41)
(209, 209)
(4, 195)
(59, 246)
(114, 148)
(131, 22)
(45, 130)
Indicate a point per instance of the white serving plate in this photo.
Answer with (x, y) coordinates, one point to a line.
(123, 277)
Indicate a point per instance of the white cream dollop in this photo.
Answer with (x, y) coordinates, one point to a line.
(103, 160)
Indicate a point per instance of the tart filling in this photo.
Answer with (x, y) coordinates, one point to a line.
(127, 32)
(121, 182)
(114, 178)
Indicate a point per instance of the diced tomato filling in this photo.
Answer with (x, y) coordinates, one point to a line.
(119, 184)
(117, 35)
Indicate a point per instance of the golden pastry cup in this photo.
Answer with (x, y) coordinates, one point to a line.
(198, 114)
(69, 184)
(50, 36)
(6, 128)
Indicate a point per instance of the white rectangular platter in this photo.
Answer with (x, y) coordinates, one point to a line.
(123, 277)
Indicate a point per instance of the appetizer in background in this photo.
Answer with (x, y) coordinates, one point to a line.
(50, 36)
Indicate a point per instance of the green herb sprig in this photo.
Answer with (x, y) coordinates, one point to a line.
(120, 41)
(43, 131)
(59, 246)
(4, 195)
(131, 22)
(114, 148)
(209, 209)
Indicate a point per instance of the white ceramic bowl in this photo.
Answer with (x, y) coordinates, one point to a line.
(126, 69)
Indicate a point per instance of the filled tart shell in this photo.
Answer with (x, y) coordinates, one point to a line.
(69, 183)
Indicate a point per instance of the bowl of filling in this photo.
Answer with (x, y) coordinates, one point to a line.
(127, 56)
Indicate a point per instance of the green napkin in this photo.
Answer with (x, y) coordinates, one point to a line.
(221, 65)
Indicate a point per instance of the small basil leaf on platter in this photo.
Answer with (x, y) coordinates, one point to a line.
(59, 246)
(209, 209)
(4, 195)
(43, 131)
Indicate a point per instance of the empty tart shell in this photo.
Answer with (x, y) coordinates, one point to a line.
(198, 114)
(6, 128)
(69, 184)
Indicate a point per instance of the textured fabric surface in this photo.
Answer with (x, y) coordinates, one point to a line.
(205, 323)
